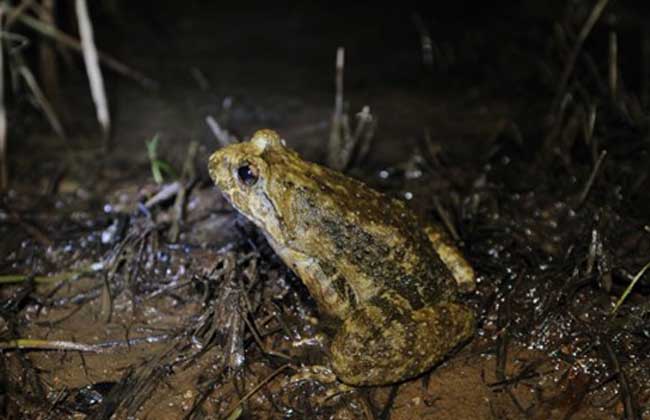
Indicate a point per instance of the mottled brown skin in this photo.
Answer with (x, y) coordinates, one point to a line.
(362, 255)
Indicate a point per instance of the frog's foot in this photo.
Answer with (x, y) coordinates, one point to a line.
(318, 373)
(451, 256)
(380, 344)
(324, 375)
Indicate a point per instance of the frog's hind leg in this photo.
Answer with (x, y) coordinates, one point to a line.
(451, 256)
(382, 343)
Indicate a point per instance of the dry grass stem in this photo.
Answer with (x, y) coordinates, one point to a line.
(592, 178)
(187, 176)
(345, 145)
(42, 100)
(613, 66)
(590, 123)
(446, 219)
(335, 143)
(645, 69)
(425, 40)
(70, 42)
(16, 12)
(4, 171)
(91, 60)
(29, 343)
(596, 12)
(48, 63)
(629, 288)
(165, 193)
(200, 79)
(223, 136)
(336, 136)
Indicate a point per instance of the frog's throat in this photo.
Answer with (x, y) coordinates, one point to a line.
(274, 231)
(319, 285)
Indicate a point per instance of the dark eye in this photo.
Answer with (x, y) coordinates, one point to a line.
(247, 174)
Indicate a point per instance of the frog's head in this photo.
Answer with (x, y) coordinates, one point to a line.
(248, 177)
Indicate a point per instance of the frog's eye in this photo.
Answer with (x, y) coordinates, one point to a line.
(247, 174)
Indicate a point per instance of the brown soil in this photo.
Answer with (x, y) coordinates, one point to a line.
(187, 328)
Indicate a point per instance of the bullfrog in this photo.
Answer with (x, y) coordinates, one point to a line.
(391, 285)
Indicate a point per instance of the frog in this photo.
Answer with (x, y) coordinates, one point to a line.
(392, 286)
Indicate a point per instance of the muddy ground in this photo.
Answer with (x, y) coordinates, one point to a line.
(535, 161)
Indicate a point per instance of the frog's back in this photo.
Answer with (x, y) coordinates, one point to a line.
(365, 241)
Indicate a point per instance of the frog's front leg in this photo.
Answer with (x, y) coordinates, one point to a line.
(383, 342)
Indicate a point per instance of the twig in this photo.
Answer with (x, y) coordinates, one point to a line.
(4, 171)
(390, 403)
(91, 59)
(232, 413)
(582, 36)
(70, 42)
(258, 340)
(590, 181)
(631, 412)
(165, 193)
